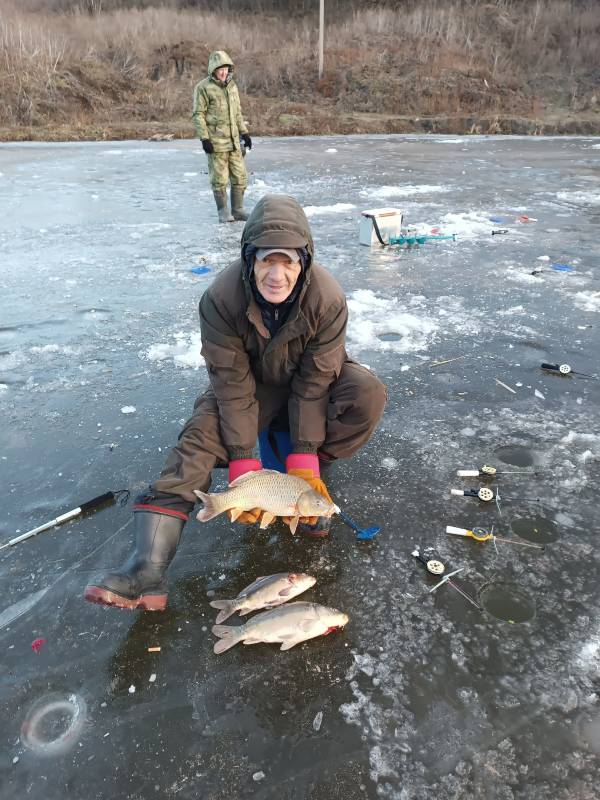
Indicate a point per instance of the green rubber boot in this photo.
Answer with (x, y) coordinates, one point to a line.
(220, 196)
(237, 203)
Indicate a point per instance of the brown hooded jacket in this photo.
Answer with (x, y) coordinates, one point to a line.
(305, 355)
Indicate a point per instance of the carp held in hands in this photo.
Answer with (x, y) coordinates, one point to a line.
(278, 494)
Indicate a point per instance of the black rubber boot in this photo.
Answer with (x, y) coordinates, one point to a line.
(220, 196)
(237, 204)
(320, 529)
(141, 582)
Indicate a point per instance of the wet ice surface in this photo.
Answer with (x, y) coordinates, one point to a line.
(421, 696)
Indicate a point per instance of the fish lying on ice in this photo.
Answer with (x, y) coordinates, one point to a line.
(280, 495)
(288, 625)
(266, 592)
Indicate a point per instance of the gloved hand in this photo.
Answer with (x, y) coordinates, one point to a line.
(238, 467)
(306, 466)
(207, 146)
(245, 137)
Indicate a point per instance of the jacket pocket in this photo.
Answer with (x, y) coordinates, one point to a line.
(216, 355)
(331, 361)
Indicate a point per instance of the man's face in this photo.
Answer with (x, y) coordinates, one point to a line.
(276, 276)
(221, 73)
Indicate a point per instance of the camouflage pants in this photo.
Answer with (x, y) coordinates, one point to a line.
(226, 167)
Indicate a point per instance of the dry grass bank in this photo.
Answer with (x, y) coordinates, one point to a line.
(452, 66)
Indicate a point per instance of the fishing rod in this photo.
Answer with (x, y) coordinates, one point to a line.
(487, 471)
(483, 535)
(565, 369)
(433, 564)
(108, 497)
(487, 495)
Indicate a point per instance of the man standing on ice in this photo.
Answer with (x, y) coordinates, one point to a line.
(219, 124)
(273, 328)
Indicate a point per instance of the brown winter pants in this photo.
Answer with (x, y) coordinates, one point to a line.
(356, 403)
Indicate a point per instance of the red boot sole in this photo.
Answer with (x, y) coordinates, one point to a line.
(104, 597)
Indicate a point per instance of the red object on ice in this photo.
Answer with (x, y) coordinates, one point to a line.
(36, 645)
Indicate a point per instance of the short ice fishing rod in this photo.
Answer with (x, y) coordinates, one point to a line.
(432, 563)
(121, 494)
(565, 369)
(483, 535)
(487, 471)
(487, 495)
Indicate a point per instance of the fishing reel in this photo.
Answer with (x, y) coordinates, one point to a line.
(565, 369)
(430, 560)
(483, 493)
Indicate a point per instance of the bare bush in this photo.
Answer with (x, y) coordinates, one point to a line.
(427, 57)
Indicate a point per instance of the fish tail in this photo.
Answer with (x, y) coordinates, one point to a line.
(228, 635)
(227, 609)
(210, 509)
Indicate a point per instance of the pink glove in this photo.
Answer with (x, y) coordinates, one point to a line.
(303, 461)
(242, 465)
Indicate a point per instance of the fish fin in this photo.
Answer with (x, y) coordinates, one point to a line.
(291, 643)
(252, 640)
(244, 610)
(228, 637)
(209, 511)
(286, 592)
(235, 513)
(306, 625)
(248, 475)
(293, 523)
(227, 609)
(267, 519)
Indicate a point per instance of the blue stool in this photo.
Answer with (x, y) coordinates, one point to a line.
(275, 447)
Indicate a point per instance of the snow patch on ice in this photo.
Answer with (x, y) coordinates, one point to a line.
(371, 316)
(587, 301)
(590, 198)
(404, 191)
(50, 349)
(336, 208)
(577, 441)
(184, 353)
(466, 224)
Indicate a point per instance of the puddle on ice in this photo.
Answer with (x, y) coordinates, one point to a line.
(389, 336)
(507, 602)
(539, 530)
(515, 455)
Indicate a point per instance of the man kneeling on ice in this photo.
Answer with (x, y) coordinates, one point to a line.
(273, 329)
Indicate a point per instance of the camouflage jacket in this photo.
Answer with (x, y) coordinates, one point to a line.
(217, 111)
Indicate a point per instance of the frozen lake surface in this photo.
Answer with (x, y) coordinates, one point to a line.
(422, 696)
